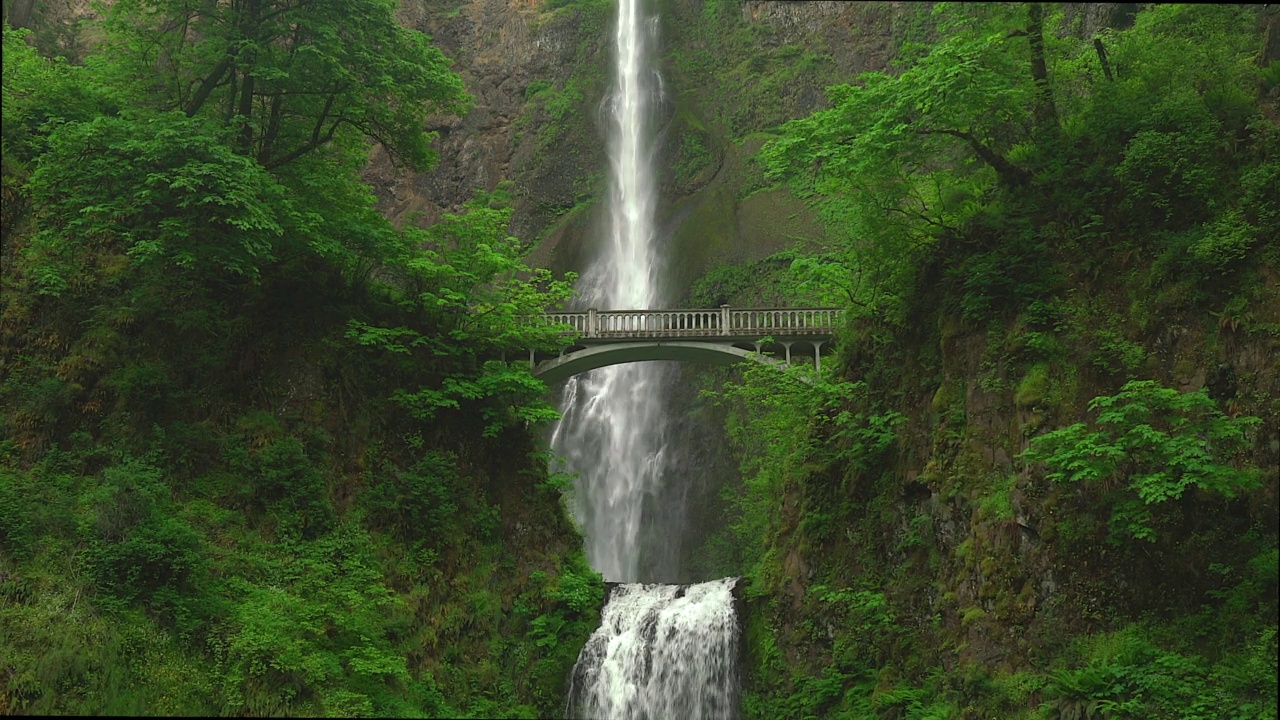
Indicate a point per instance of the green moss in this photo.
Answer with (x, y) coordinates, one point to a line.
(693, 157)
(995, 502)
(706, 233)
(971, 615)
(948, 395)
(1034, 388)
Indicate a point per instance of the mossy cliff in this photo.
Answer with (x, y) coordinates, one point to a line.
(539, 70)
(945, 574)
(932, 530)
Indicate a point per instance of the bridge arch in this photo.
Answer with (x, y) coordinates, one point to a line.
(721, 336)
(599, 356)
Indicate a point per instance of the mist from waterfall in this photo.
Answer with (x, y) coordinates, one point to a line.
(613, 429)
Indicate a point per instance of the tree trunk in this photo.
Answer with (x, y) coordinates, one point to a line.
(1102, 58)
(1270, 51)
(1046, 113)
(19, 15)
(1009, 173)
(249, 30)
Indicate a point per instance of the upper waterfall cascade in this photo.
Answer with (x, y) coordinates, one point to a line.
(614, 426)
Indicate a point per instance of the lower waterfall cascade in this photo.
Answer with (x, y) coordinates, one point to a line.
(661, 651)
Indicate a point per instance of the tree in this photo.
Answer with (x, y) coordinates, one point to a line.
(468, 299)
(225, 152)
(242, 131)
(899, 163)
(287, 76)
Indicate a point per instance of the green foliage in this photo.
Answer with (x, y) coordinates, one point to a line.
(288, 486)
(471, 295)
(465, 275)
(580, 588)
(155, 188)
(136, 550)
(783, 424)
(287, 79)
(558, 104)
(210, 501)
(866, 618)
(17, 532)
(901, 162)
(239, 151)
(770, 423)
(749, 284)
(1166, 169)
(1128, 676)
(65, 658)
(1157, 441)
(555, 4)
(1034, 386)
(1225, 241)
(511, 394)
(996, 501)
(1088, 208)
(417, 502)
(1176, 133)
(925, 165)
(694, 156)
(316, 638)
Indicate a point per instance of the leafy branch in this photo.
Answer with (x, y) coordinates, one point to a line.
(1158, 442)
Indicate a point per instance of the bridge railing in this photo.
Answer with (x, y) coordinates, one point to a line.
(711, 322)
(795, 321)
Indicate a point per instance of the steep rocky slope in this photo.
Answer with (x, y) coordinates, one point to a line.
(539, 71)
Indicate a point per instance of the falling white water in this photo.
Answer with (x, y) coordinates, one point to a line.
(662, 651)
(612, 429)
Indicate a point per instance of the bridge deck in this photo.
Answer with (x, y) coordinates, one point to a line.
(715, 324)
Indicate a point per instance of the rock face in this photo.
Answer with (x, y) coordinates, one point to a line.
(858, 34)
(733, 72)
(538, 70)
(1086, 19)
(516, 58)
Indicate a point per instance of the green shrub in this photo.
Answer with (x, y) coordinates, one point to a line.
(1159, 442)
(1128, 675)
(17, 529)
(416, 503)
(1173, 173)
(291, 488)
(1224, 241)
(136, 550)
(1034, 386)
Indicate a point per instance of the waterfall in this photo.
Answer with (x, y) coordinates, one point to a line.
(661, 651)
(613, 426)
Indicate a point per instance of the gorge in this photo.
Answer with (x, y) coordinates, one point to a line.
(259, 454)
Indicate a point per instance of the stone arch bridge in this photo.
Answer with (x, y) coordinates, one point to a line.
(722, 336)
